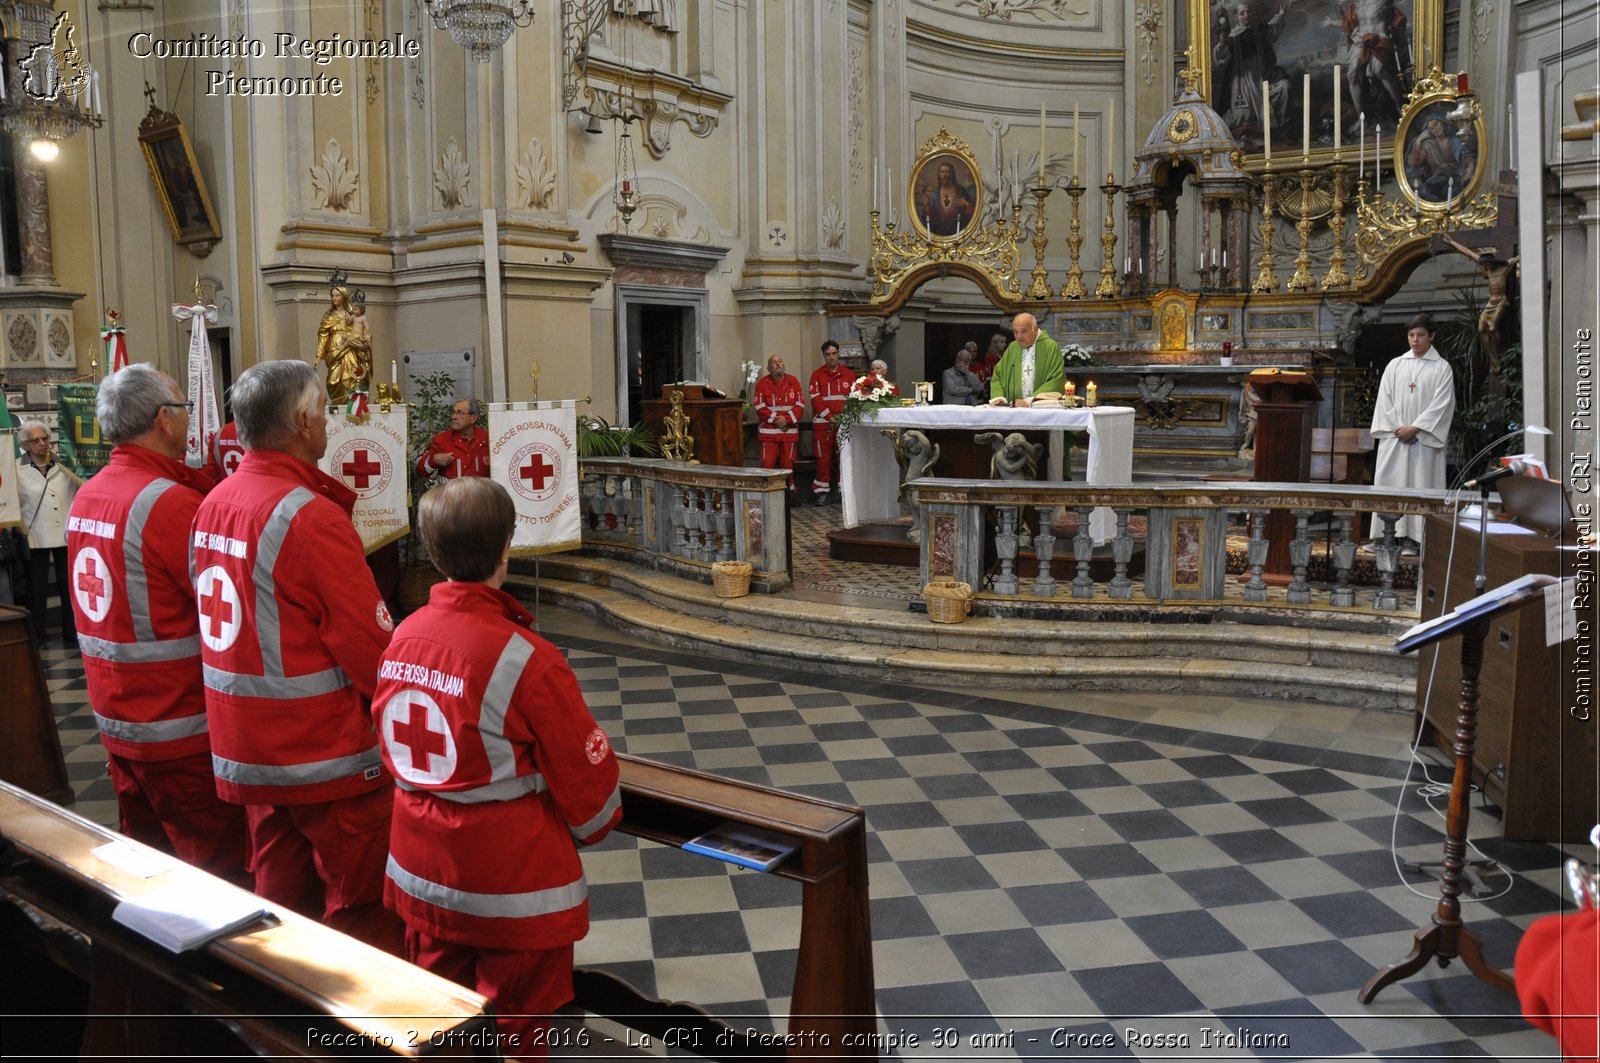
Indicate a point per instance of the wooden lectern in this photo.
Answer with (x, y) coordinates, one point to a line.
(715, 421)
(1285, 401)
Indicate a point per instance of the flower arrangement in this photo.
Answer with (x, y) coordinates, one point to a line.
(1076, 354)
(751, 370)
(870, 392)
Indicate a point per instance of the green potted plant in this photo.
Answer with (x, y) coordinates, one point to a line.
(599, 438)
(434, 395)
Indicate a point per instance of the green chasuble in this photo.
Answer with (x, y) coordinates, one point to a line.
(1048, 370)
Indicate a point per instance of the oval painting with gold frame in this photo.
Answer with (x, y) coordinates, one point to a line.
(1438, 163)
(946, 194)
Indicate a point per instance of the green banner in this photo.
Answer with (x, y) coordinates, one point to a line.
(82, 449)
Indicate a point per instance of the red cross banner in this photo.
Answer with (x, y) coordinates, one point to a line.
(533, 452)
(367, 453)
(10, 505)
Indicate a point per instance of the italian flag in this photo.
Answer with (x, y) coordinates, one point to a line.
(358, 404)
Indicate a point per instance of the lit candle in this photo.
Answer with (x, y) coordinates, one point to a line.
(1070, 389)
(1305, 118)
(1041, 145)
(1092, 396)
(627, 186)
(394, 372)
(1338, 113)
(1266, 122)
(1077, 170)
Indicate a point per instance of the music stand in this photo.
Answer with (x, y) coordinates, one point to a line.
(1446, 938)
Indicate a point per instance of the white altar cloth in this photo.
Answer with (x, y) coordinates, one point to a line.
(870, 478)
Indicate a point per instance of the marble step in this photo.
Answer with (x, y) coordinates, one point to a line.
(1352, 669)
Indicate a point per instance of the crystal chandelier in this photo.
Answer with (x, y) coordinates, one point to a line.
(480, 26)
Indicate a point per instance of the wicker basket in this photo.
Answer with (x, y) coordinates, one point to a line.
(731, 579)
(948, 601)
(416, 584)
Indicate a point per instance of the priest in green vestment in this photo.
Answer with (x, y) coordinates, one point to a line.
(1032, 365)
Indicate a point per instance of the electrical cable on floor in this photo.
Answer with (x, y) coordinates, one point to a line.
(1431, 788)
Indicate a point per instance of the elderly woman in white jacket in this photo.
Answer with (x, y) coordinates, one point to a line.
(46, 489)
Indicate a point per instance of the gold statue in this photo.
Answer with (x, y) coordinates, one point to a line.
(344, 341)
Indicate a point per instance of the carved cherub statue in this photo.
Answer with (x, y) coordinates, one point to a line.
(920, 454)
(1014, 457)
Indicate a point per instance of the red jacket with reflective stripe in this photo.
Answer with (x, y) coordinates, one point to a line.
(829, 389)
(291, 629)
(778, 407)
(471, 455)
(127, 538)
(500, 768)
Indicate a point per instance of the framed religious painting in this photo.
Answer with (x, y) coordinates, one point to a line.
(1439, 159)
(1325, 65)
(946, 190)
(178, 182)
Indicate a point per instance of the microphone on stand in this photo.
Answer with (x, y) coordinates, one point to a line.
(1515, 468)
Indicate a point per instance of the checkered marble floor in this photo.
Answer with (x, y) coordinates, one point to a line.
(1066, 876)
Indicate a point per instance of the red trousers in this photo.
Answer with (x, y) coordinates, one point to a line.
(173, 805)
(525, 985)
(822, 440)
(778, 452)
(326, 861)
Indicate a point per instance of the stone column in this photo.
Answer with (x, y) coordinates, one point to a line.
(33, 220)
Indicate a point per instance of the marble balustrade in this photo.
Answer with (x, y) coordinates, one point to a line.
(683, 518)
(975, 531)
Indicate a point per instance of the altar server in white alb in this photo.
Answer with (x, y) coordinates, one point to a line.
(1416, 402)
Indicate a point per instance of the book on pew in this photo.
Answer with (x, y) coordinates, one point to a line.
(186, 915)
(753, 847)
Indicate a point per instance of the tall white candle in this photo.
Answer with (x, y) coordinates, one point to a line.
(894, 212)
(1077, 171)
(1377, 156)
(1511, 136)
(1111, 135)
(394, 372)
(1338, 112)
(1361, 135)
(1041, 145)
(1266, 121)
(874, 184)
(1305, 118)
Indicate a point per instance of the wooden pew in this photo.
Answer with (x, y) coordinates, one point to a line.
(294, 988)
(833, 1009)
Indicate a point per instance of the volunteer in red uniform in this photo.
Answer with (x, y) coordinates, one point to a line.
(460, 450)
(830, 386)
(778, 410)
(127, 540)
(226, 453)
(501, 769)
(291, 629)
(1558, 980)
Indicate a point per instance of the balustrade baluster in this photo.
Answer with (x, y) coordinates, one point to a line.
(679, 520)
(1083, 551)
(1005, 548)
(1256, 589)
(1121, 553)
(1300, 558)
(730, 541)
(1344, 556)
(589, 501)
(1044, 546)
(1388, 558)
(706, 550)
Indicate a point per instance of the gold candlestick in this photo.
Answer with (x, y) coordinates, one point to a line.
(535, 373)
(1074, 289)
(1336, 276)
(1302, 280)
(1108, 288)
(1267, 271)
(1040, 288)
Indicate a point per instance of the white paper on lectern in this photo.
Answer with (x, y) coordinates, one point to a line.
(1559, 601)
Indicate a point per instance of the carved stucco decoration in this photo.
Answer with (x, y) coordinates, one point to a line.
(1482, 23)
(856, 73)
(451, 176)
(334, 180)
(58, 338)
(419, 92)
(373, 15)
(1038, 10)
(536, 177)
(833, 225)
(1147, 20)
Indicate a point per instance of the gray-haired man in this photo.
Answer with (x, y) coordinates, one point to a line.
(460, 450)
